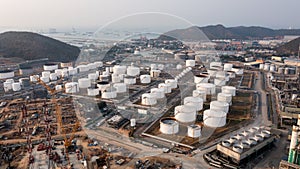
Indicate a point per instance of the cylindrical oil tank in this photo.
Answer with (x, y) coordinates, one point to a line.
(194, 131)
(133, 71)
(159, 92)
(73, 71)
(215, 64)
(145, 79)
(58, 72)
(190, 63)
(83, 68)
(172, 82)
(185, 113)
(50, 67)
(103, 85)
(53, 76)
(267, 67)
(132, 122)
(220, 81)
(84, 83)
(280, 70)
(104, 78)
(34, 78)
(229, 89)
(214, 118)
(272, 68)
(169, 125)
(118, 69)
(45, 79)
(212, 72)
(92, 76)
(115, 78)
(196, 102)
(155, 73)
(149, 99)
(202, 78)
(166, 87)
(227, 66)
(220, 74)
(6, 74)
(200, 93)
(46, 74)
(71, 87)
(120, 87)
(109, 93)
(219, 105)
(7, 86)
(93, 91)
(65, 72)
(129, 80)
(10, 80)
(16, 86)
(224, 97)
(209, 88)
(261, 66)
(58, 87)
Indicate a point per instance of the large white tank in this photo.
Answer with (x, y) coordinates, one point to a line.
(53, 76)
(159, 92)
(7, 86)
(117, 69)
(133, 71)
(190, 63)
(46, 74)
(214, 118)
(221, 74)
(45, 79)
(200, 93)
(50, 67)
(194, 131)
(196, 102)
(93, 91)
(169, 126)
(83, 68)
(115, 78)
(104, 77)
(267, 67)
(272, 68)
(16, 86)
(145, 79)
(109, 93)
(172, 82)
(92, 76)
(71, 87)
(225, 97)
(209, 88)
(129, 80)
(229, 89)
(120, 87)
(149, 99)
(227, 66)
(261, 66)
(103, 85)
(280, 70)
(6, 74)
(34, 78)
(132, 122)
(220, 81)
(212, 72)
(166, 87)
(92, 66)
(64, 73)
(219, 105)
(84, 83)
(185, 113)
(201, 78)
(58, 72)
(155, 73)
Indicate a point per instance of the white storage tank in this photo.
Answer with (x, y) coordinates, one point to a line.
(58, 87)
(6, 74)
(132, 122)
(272, 68)
(103, 85)
(16, 86)
(172, 82)
(267, 67)
(215, 64)
(194, 131)
(83, 68)
(227, 66)
(7, 86)
(104, 77)
(145, 79)
(115, 78)
(50, 67)
(46, 74)
(185, 113)
(120, 87)
(45, 79)
(200, 93)
(117, 69)
(209, 88)
(214, 118)
(196, 102)
(149, 99)
(84, 83)
(53, 76)
(190, 63)
(169, 125)
(133, 71)
(220, 81)
(202, 78)
(225, 97)
(219, 105)
(159, 92)
(261, 66)
(280, 70)
(34, 78)
(71, 87)
(93, 91)
(129, 80)
(155, 73)
(212, 72)
(229, 89)
(166, 87)
(64, 73)
(109, 93)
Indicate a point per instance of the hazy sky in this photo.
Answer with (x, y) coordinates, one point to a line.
(65, 14)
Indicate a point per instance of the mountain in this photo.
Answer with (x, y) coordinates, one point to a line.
(291, 47)
(239, 32)
(29, 46)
